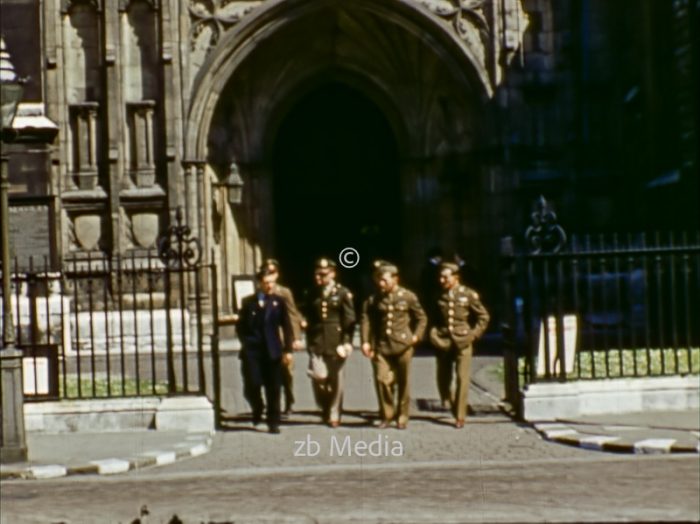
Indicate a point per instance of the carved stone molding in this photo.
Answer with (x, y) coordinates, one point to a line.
(67, 5)
(141, 142)
(467, 18)
(212, 18)
(84, 132)
(85, 232)
(125, 4)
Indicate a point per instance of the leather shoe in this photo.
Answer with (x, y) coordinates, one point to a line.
(459, 424)
(274, 430)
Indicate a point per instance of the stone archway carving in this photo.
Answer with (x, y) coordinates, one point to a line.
(491, 30)
(486, 33)
(424, 61)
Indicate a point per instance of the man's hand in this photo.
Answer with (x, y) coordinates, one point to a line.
(367, 350)
(287, 358)
(296, 345)
(414, 339)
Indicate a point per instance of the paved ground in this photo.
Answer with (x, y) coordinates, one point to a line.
(593, 488)
(494, 469)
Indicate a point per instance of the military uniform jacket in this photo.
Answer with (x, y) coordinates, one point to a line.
(462, 318)
(294, 315)
(390, 321)
(331, 319)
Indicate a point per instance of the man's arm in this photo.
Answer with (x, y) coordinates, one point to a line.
(482, 315)
(295, 316)
(347, 317)
(419, 317)
(365, 330)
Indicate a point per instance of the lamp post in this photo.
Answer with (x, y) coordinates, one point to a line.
(12, 438)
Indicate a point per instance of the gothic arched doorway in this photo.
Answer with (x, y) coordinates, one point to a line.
(336, 183)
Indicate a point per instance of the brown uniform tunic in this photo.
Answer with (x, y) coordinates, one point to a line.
(390, 324)
(462, 319)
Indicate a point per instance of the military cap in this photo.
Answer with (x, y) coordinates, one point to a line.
(271, 265)
(324, 265)
(384, 266)
(452, 266)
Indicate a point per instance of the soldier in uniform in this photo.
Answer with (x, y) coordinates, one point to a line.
(392, 322)
(331, 323)
(271, 266)
(462, 319)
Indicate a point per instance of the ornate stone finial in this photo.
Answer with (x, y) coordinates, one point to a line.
(544, 235)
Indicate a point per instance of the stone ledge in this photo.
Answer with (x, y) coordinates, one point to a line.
(194, 414)
(551, 401)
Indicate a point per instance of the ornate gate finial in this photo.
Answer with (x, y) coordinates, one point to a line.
(544, 235)
(177, 248)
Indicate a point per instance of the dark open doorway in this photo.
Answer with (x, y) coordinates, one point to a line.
(336, 185)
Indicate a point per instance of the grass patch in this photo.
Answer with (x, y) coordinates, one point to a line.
(116, 387)
(625, 363)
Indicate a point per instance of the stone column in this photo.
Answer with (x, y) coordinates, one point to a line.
(13, 438)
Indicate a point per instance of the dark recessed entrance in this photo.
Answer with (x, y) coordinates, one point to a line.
(336, 184)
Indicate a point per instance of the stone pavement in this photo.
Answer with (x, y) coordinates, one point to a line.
(430, 437)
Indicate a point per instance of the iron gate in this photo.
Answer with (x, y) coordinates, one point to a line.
(107, 327)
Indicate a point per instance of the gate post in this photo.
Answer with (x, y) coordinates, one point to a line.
(508, 327)
(215, 364)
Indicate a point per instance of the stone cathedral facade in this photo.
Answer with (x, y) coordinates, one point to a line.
(483, 104)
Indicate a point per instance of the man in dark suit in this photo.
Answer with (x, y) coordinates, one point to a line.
(298, 324)
(265, 331)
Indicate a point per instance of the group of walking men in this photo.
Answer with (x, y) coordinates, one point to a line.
(392, 322)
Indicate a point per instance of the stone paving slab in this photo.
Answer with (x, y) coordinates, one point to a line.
(620, 438)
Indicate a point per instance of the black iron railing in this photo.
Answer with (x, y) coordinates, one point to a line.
(114, 326)
(606, 307)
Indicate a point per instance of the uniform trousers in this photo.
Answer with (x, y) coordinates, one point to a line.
(288, 383)
(329, 392)
(448, 362)
(392, 371)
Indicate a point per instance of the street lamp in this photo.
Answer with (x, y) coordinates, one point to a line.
(12, 438)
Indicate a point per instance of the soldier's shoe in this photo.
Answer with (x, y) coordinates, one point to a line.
(275, 430)
(257, 418)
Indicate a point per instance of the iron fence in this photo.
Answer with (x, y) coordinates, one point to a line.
(113, 327)
(106, 327)
(598, 307)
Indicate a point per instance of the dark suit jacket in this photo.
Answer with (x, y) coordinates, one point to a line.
(265, 329)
